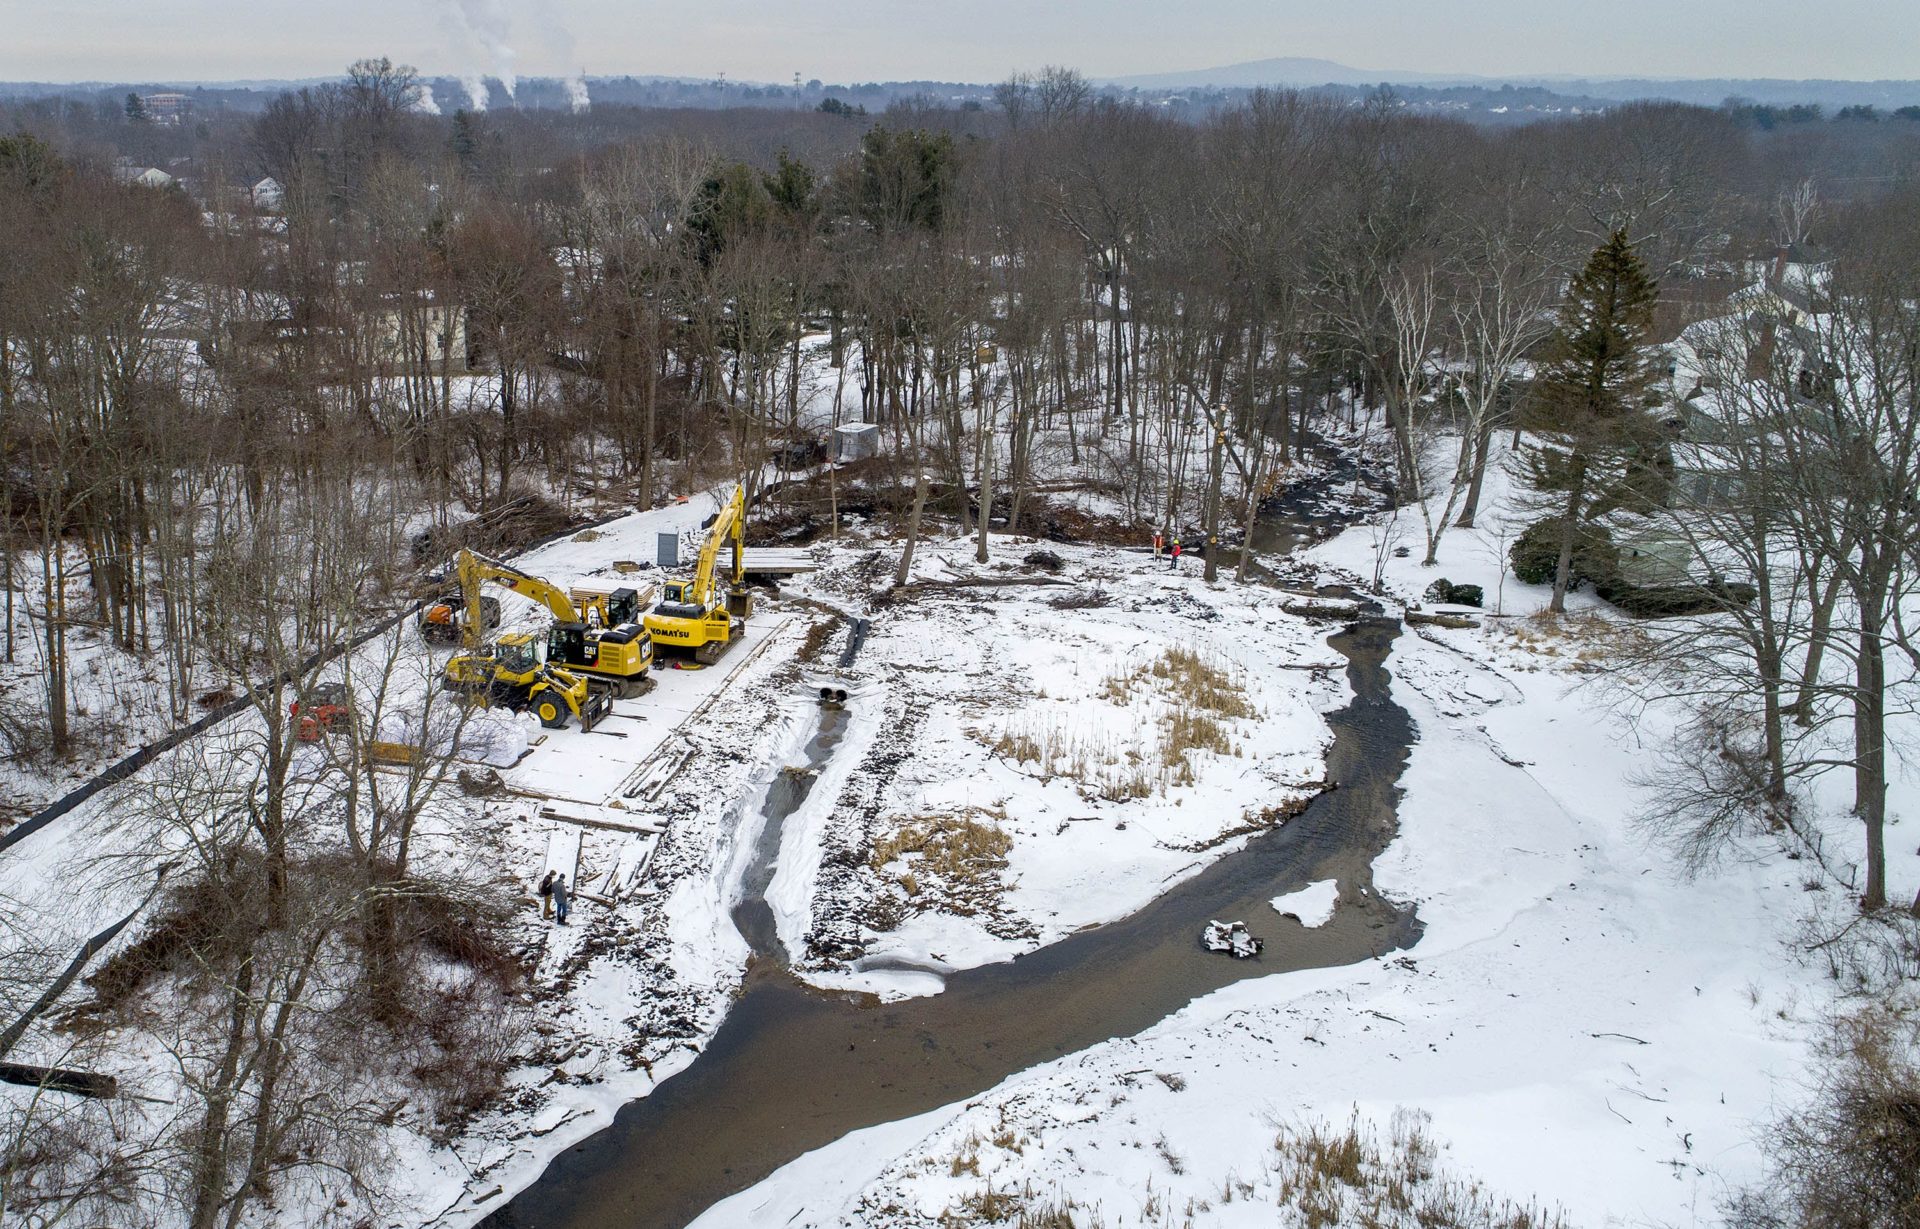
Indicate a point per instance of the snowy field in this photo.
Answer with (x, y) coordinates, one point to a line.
(1579, 1027)
(1019, 705)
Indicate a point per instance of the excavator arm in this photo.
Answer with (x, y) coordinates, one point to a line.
(729, 526)
(474, 569)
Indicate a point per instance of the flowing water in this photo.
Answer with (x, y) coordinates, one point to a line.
(792, 1069)
(790, 787)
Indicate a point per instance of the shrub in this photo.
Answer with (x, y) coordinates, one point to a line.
(1536, 554)
(1444, 590)
(1851, 1158)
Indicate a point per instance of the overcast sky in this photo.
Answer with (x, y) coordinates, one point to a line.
(974, 40)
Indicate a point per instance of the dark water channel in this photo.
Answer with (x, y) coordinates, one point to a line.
(792, 1069)
(790, 787)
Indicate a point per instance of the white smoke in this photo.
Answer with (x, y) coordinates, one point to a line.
(559, 41)
(486, 27)
(485, 23)
(423, 100)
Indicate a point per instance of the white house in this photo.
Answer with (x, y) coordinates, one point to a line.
(268, 195)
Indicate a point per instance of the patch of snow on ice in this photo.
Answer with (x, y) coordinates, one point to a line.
(1312, 905)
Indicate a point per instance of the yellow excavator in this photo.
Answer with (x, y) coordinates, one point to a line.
(604, 640)
(584, 668)
(694, 614)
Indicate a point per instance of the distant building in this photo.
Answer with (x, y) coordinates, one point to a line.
(152, 177)
(268, 195)
(855, 441)
(166, 108)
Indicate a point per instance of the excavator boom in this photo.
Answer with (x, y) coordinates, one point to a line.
(473, 568)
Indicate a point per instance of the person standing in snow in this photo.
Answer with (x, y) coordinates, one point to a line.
(561, 901)
(546, 895)
(1175, 565)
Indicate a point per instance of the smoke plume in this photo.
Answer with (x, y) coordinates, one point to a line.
(485, 23)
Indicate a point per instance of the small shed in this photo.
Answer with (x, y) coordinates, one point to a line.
(855, 441)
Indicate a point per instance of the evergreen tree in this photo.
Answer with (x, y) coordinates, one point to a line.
(465, 139)
(1602, 448)
(791, 185)
(906, 178)
(732, 204)
(136, 109)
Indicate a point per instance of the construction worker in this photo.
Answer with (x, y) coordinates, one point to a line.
(562, 902)
(546, 895)
(1175, 565)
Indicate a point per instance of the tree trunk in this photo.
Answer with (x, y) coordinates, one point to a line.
(209, 1159)
(1563, 569)
(1482, 446)
(1870, 755)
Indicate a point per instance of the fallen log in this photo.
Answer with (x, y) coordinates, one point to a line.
(60, 1079)
(1322, 610)
(1420, 618)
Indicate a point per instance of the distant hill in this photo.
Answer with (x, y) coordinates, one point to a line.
(1285, 71)
(1306, 72)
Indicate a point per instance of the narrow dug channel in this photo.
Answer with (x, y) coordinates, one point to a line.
(792, 1069)
(789, 788)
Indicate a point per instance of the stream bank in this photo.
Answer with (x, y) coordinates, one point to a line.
(792, 1068)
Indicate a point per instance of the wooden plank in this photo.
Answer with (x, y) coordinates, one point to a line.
(563, 854)
(772, 560)
(609, 825)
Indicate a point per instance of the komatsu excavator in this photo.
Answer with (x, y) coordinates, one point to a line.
(694, 614)
(603, 638)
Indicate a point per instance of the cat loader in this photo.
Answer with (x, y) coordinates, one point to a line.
(694, 614)
(509, 673)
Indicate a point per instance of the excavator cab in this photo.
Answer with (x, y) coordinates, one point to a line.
(606, 606)
(568, 644)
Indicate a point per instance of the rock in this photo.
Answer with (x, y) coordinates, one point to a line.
(1232, 938)
(1045, 560)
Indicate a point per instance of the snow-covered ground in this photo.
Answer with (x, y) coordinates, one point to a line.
(1030, 709)
(1579, 1025)
(1027, 709)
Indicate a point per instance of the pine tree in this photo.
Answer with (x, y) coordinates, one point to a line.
(465, 139)
(1602, 447)
(136, 108)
